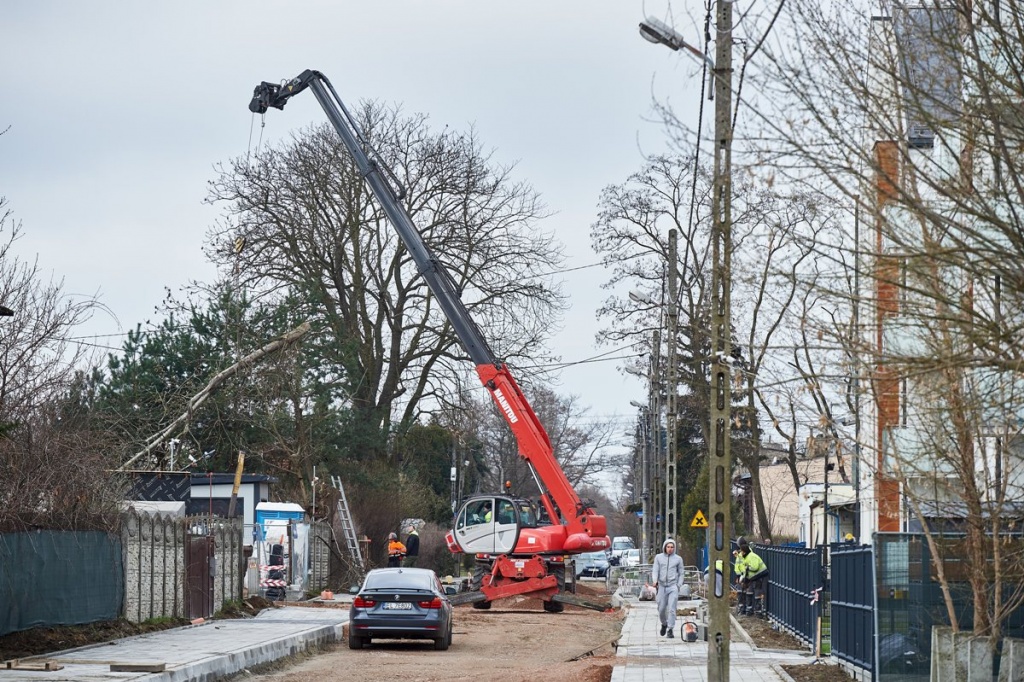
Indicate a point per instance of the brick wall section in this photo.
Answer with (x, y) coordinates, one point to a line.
(887, 299)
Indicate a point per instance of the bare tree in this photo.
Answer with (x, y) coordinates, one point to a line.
(773, 234)
(916, 123)
(585, 448)
(308, 223)
(52, 465)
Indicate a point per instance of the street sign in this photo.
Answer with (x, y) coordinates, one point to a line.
(698, 520)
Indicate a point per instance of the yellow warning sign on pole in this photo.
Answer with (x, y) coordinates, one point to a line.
(698, 520)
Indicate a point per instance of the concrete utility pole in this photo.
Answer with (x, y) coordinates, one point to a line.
(672, 381)
(720, 454)
(655, 536)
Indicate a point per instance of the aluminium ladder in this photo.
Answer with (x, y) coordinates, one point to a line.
(346, 523)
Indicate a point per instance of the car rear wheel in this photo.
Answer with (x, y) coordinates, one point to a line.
(356, 642)
(442, 643)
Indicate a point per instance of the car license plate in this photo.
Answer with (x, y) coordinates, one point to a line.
(397, 605)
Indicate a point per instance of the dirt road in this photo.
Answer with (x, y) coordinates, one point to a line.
(516, 638)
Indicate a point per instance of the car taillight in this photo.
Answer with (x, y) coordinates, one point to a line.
(434, 603)
(361, 603)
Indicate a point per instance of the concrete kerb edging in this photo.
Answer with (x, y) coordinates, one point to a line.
(229, 663)
(618, 601)
(743, 633)
(781, 672)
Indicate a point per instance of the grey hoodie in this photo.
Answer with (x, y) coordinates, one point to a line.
(667, 568)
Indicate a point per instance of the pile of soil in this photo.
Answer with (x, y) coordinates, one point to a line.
(765, 637)
(248, 608)
(38, 641)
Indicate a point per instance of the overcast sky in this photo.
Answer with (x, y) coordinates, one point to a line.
(118, 112)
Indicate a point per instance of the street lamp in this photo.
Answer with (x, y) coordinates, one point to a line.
(640, 297)
(719, 450)
(659, 32)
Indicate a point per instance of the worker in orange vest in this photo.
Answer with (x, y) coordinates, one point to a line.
(396, 550)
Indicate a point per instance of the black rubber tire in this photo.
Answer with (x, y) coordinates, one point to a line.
(356, 642)
(442, 643)
(558, 570)
(479, 571)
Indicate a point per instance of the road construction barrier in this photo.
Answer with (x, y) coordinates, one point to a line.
(628, 580)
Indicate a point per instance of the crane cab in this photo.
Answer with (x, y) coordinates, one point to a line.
(491, 524)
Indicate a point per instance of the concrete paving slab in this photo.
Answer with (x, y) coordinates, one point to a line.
(200, 652)
(645, 656)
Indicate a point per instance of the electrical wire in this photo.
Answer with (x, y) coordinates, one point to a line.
(700, 112)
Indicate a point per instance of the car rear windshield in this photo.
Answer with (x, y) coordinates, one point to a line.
(389, 580)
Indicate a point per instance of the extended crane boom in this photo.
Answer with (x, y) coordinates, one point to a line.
(575, 526)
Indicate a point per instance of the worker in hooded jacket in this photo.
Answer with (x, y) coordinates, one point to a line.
(667, 574)
(412, 546)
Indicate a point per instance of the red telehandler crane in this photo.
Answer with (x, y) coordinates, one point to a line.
(516, 552)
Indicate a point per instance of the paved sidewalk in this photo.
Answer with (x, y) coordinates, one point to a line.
(199, 652)
(644, 656)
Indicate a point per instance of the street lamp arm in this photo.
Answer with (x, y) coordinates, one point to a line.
(656, 31)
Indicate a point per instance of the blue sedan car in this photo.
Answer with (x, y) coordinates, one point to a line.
(401, 603)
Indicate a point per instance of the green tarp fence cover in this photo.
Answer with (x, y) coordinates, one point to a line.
(50, 578)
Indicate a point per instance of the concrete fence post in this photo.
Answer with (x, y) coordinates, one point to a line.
(1011, 665)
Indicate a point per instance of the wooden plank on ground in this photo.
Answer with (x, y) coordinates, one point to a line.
(42, 666)
(138, 667)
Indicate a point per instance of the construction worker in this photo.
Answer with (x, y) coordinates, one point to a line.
(412, 546)
(667, 573)
(396, 550)
(752, 572)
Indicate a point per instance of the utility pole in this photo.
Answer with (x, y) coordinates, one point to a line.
(654, 537)
(671, 328)
(645, 445)
(720, 455)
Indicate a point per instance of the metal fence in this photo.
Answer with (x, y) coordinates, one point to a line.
(628, 579)
(852, 604)
(910, 601)
(794, 574)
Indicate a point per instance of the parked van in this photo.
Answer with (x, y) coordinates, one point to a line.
(620, 545)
